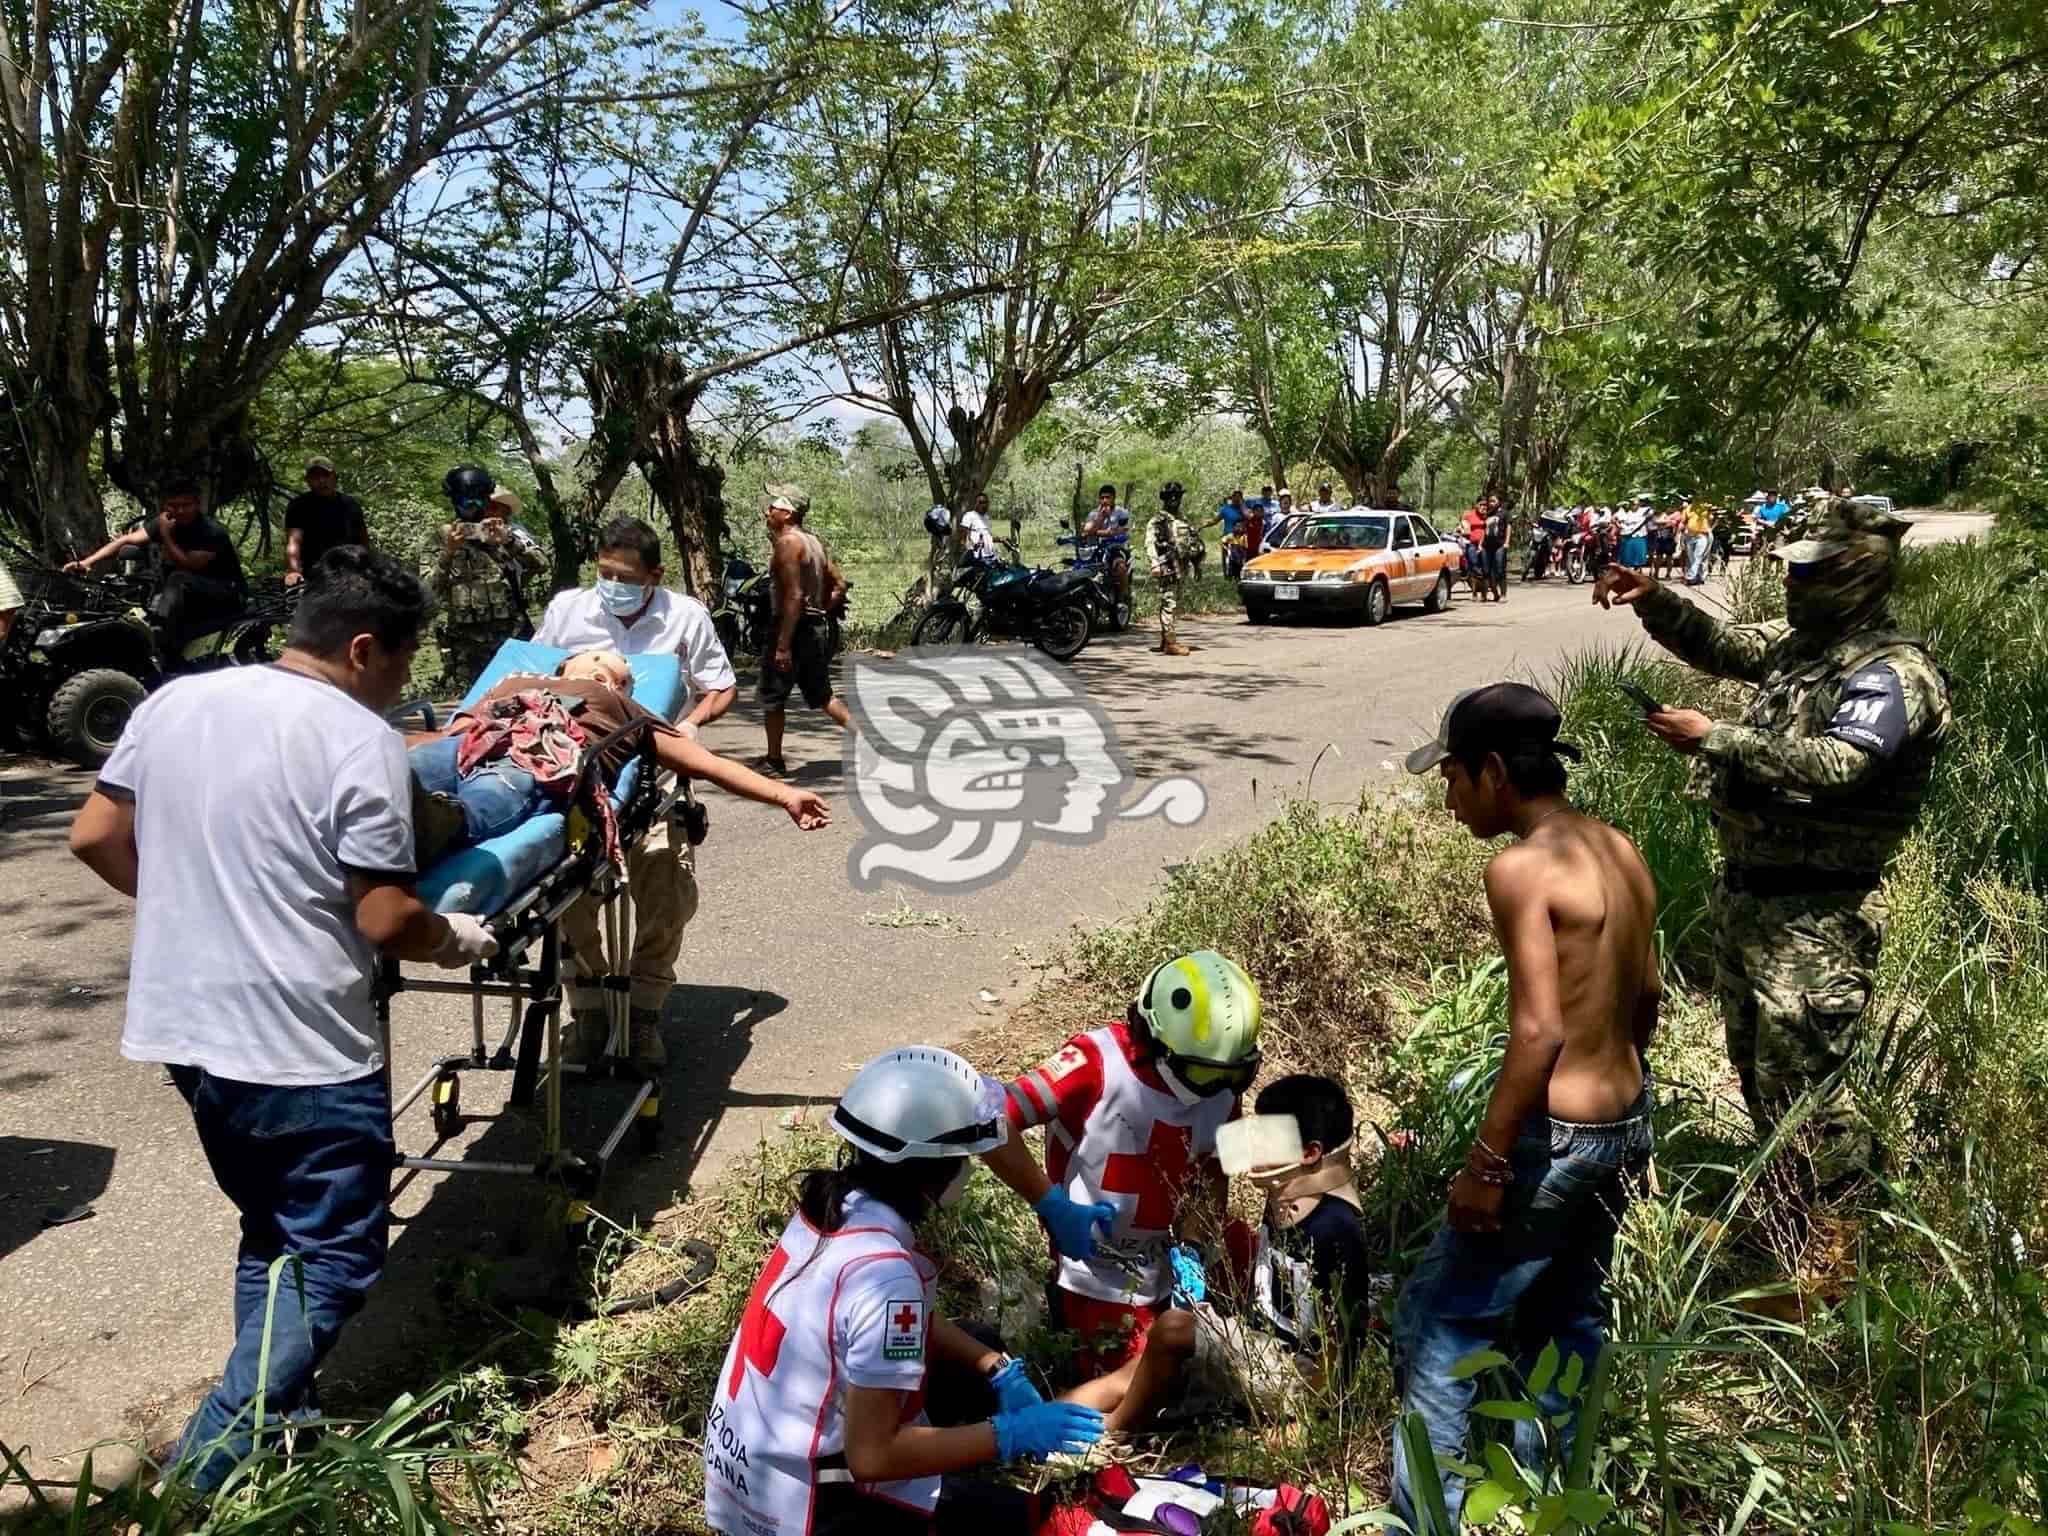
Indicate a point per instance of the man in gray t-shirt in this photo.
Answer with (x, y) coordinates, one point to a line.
(268, 811)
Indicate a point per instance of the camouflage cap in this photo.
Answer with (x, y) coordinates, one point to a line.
(791, 498)
(1842, 525)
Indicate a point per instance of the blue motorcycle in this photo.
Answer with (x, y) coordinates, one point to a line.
(995, 599)
(1106, 561)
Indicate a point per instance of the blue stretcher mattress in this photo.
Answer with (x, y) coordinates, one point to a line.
(482, 878)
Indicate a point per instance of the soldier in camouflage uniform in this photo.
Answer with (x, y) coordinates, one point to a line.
(1166, 539)
(1810, 794)
(479, 576)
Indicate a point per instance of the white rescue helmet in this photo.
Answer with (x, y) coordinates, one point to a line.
(920, 1101)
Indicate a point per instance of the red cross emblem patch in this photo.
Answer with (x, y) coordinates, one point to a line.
(903, 1335)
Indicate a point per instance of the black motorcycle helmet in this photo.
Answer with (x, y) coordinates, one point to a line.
(469, 487)
(1170, 494)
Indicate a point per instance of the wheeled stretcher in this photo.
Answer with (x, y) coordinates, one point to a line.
(520, 883)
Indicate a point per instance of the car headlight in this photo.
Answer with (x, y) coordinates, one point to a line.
(1257, 576)
(48, 637)
(1323, 578)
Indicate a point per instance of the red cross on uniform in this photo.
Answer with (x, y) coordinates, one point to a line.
(1156, 1176)
(761, 1331)
(906, 1320)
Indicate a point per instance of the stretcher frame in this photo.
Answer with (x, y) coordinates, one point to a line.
(527, 969)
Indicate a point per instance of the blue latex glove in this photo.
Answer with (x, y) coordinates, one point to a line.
(1014, 1388)
(1073, 1226)
(1044, 1429)
(1190, 1277)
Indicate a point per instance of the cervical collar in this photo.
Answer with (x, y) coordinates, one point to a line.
(1291, 1199)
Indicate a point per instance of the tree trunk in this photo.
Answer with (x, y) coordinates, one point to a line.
(691, 490)
(57, 494)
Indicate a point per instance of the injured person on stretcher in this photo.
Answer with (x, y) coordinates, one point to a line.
(517, 752)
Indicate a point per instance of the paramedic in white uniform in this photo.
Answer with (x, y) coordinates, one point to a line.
(816, 1425)
(629, 611)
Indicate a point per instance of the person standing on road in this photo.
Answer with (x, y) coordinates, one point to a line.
(1699, 541)
(1493, 545)
(1166, 538)
(480, 574)
(291, 853)
(1811, 794)
(318, 519)
(1473, 526)
(1232, 515)
(1325, 504)
(630, 612)
(808, 587)
(1521, 1260)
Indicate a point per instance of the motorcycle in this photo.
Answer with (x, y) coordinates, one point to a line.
(744, 617)
(1580, 556)
(86, 654)
(993, 598)
(1543, 548)
(1106, 562)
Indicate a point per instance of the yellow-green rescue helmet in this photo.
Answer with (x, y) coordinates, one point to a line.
(1203, 1012)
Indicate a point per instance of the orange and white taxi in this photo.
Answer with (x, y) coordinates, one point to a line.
(1359, 561)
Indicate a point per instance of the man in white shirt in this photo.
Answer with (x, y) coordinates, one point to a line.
(1325, 505)
(976, 537)
(261, 817)
(630, 612)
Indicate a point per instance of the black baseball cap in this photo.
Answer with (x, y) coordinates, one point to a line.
(1500, 717)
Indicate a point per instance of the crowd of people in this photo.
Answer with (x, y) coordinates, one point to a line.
(871, 1401)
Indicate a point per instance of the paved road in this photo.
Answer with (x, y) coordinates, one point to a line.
(791, 979)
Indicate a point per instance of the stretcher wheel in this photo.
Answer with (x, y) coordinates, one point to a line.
(447, 1105)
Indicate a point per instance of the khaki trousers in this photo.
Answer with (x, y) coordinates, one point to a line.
(661, 882)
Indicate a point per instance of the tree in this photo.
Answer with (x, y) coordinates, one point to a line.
(185, 178)
(1027, 164)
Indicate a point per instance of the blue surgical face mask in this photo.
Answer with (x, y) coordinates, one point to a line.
(620, 597)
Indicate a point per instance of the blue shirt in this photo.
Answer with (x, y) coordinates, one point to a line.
(1231, 517)
(1770, 514)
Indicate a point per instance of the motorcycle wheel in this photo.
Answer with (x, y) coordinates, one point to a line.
(728, 630)
(1575, 566)
(944, 624)
(1063, 633)
(88, 712)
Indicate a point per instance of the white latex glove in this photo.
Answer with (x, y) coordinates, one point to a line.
(468, 941)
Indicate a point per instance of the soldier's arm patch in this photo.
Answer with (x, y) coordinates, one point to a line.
(1872, 712)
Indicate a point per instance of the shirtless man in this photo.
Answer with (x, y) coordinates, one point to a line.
(807, 587)
(1522, 1255)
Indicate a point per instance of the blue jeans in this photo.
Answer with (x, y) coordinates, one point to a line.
(494, 798)
(1696, 547)
(1536, 1280)
(310, 1171)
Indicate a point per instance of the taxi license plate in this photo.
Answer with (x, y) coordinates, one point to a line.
(1287, 594)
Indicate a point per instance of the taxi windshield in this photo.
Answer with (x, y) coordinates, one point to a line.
(1340, 533)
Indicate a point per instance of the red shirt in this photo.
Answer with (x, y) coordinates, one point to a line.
(1475, 526)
